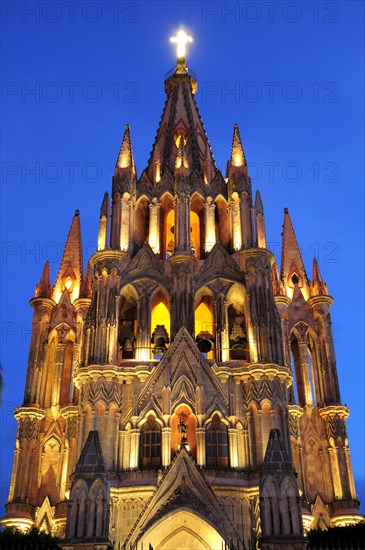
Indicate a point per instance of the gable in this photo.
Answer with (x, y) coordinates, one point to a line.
(184, 369)
(183, 487)
(219, 264)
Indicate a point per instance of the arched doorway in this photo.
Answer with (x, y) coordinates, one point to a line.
(184, 530)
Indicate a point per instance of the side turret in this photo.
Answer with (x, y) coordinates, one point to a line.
(123, 197)
(240, 195)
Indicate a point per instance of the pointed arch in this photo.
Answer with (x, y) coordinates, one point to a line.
(205, 322)
(160, 321)
(127, 332)
(150, 443)
(303, 362)
(49, 373)
(183, 412)
(216, 443)
(76, 525)
(167, 222)
(141, 220)
(197, 224)
(222, 222)
(237, 313)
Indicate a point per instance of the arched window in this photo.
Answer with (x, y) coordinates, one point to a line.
(127, 325)
(204, 326)
(160, 324)
(150, 444)
(216, 444)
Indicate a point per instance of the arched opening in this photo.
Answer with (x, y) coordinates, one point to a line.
(49, 381)
(182, 529)
(195, 234)
(238, 343)
(167, 226)
(237, 325)
(66, 373)
(150, 444)
(197, 225)
(141, 221)
(302, 366)
(183, 416)
(216, 443)
(160, 324)
(204, 326)
(222, 222)
(127, 324)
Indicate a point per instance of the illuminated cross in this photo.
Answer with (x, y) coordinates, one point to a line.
(181, 39)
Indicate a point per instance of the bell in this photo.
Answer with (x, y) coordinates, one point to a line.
(238, 343)
(204, 345)
(127, 344)
(160, 346)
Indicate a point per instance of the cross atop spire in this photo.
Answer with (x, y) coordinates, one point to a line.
(181, 39)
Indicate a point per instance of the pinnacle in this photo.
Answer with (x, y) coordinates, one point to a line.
(276, 456)
(125, 156)
(238, 158)
(318, 285)
(291, 257)
(70, 271)
(258, 203)
(91, 459)
(104, 210)
(44, 288)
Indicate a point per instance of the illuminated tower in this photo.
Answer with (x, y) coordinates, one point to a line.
(181, 391)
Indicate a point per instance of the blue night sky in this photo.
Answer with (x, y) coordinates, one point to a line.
(291, 74)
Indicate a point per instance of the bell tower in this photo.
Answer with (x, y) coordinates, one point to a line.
(182, 389)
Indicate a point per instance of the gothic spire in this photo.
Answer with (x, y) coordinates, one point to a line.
(70, 271)
(104, 210)
(181, 117)
(259, 209)
(259, 221)
(292, 266)
(238, 158)
(125, 158)
(103, 223)
(318, 285)
(44, 288)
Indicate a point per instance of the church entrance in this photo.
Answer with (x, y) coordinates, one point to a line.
(183, 530)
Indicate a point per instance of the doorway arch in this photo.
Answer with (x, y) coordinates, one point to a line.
(185, 530)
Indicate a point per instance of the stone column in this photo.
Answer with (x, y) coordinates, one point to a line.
(154, 229)
(210, 239)
(143, 351)
(236, 222)
(134, 450)
(307, 389)
(166, 447)
(125, 224)
(233, 447)
(246, 225)
(200, 446)
(60, 355)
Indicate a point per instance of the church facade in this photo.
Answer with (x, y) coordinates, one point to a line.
(182, 390)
